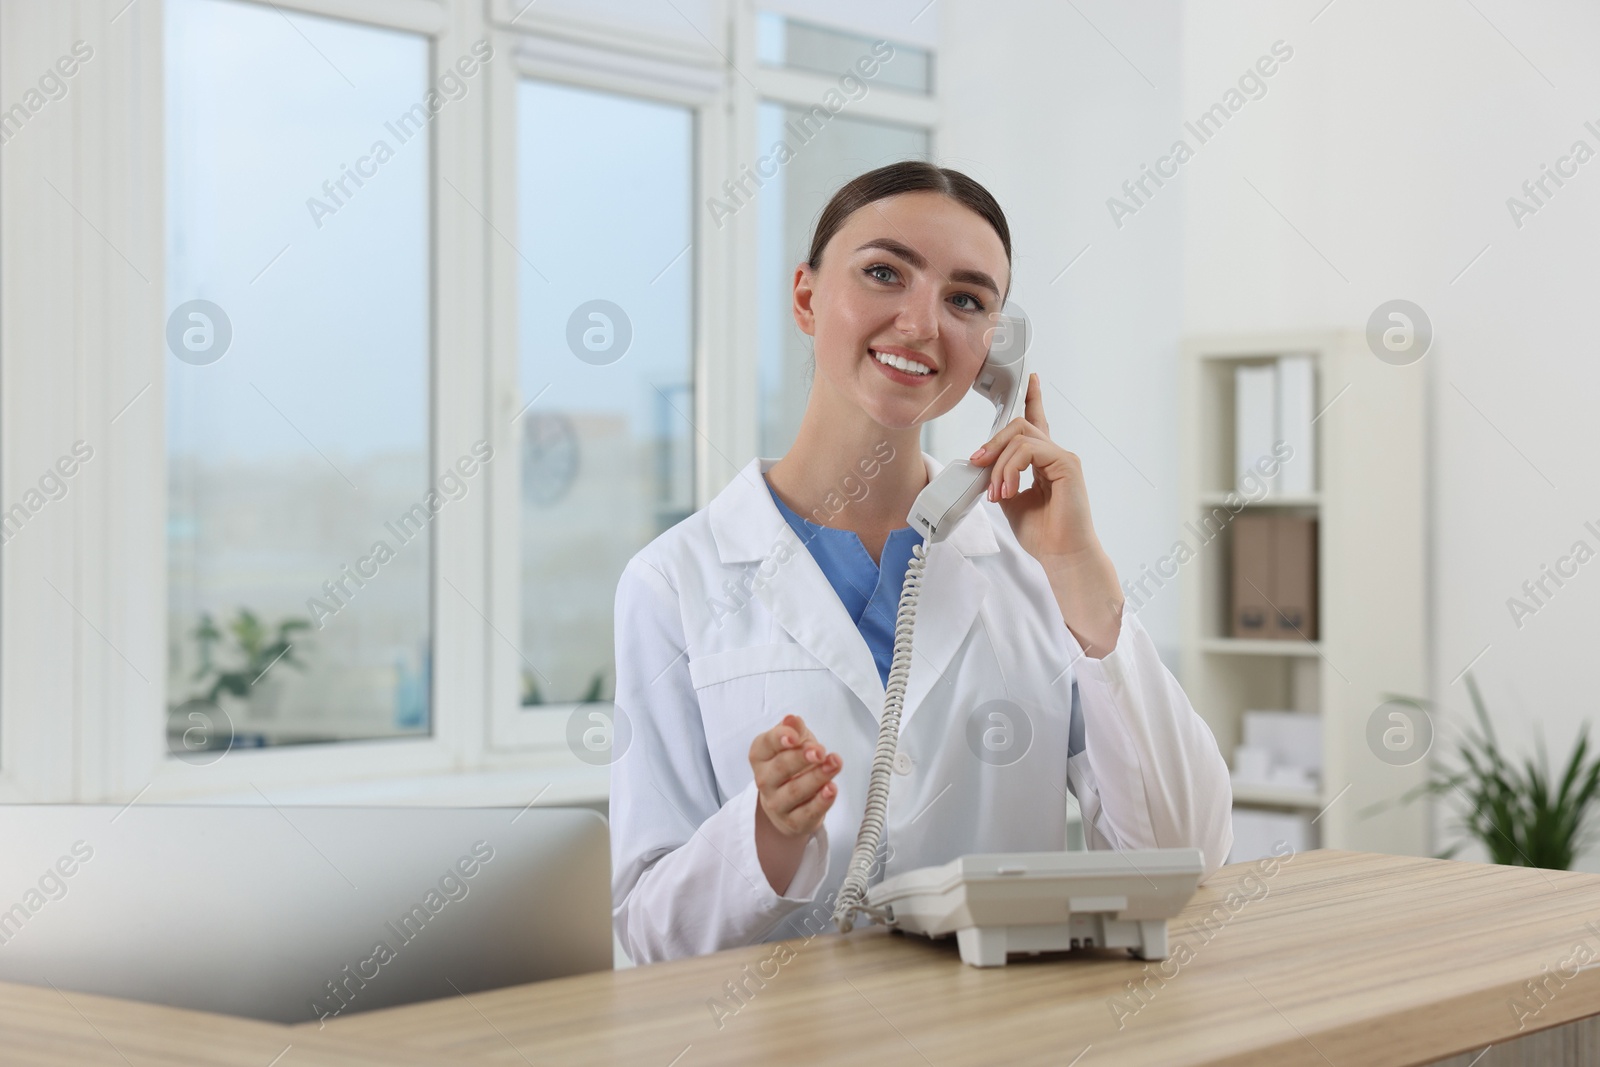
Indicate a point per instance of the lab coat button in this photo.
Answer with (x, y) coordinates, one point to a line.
(902, 763)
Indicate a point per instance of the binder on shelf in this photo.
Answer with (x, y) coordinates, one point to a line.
(1255, 419)
(1252, 577)
(1295, 577)
(1296, 409)
(1274, 583)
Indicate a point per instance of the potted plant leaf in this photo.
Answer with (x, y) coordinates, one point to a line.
(1519, 814)
(259, 648)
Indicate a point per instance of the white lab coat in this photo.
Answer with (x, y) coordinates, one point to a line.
(725, 624)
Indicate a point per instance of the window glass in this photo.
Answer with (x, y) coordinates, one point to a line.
(296, 382)
(605, 216)
(787, 42)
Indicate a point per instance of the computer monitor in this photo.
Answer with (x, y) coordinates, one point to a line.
(292, 914)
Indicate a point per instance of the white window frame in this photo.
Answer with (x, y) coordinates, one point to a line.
(43, 257)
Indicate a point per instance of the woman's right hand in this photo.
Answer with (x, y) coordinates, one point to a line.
(794, 774)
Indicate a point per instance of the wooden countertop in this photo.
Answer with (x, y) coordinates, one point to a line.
(1334, 957)
(1330, 958)
(45, 1027)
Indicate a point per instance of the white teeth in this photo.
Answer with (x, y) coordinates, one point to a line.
(899, 363)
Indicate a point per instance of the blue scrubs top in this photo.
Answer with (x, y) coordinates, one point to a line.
(870, 591)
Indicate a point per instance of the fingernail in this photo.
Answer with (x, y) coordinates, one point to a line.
(811, 754)
(978, 453)
(788, 742)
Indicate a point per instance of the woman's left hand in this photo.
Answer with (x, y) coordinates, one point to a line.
(1052, 523)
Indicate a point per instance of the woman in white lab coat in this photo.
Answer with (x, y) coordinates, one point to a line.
(748, 694)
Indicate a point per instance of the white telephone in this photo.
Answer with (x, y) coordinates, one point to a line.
(997, 903)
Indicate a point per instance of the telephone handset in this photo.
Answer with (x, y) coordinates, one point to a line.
(1001, 380)
(1000, 902)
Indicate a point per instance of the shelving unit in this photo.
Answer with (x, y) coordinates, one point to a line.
(1371, 642)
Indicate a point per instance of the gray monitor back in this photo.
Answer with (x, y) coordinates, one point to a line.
(290, 914)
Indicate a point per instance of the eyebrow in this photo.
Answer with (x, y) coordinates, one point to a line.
(917, 260)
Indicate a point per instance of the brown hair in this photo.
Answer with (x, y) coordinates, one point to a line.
(906, 176)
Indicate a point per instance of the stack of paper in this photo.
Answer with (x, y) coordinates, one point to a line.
(1256, 833)
(1281, 748)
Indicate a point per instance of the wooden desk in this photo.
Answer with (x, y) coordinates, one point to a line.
(1340, 958)
(44, 1027)
(1336, 958)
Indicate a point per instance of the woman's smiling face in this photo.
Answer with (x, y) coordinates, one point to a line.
(915, 277)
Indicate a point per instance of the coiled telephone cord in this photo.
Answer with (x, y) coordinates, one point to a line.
(853, 891)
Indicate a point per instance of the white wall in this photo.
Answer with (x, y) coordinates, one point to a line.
(1392, 140)
(1047, 114)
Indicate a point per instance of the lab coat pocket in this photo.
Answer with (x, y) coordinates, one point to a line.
(732, 689)
(807, 688)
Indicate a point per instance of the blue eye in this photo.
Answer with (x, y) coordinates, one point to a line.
(977, 305)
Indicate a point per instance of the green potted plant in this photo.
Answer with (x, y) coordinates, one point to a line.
(1519, 814)
(259, 648)
(533, 696)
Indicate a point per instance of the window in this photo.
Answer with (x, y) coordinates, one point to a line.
(293, 265)
(787, 42)
(605, 219)
(300, 492)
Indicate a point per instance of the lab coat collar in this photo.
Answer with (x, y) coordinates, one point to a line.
(747, 526)
(745, 521)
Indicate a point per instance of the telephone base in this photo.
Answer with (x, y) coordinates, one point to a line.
(989, 946)
(1031, 902)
